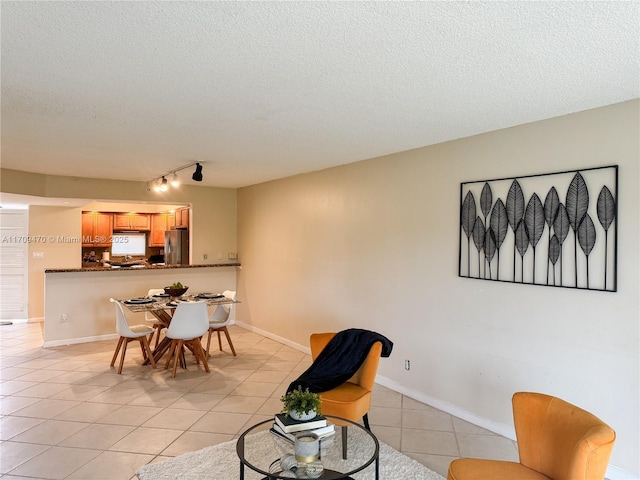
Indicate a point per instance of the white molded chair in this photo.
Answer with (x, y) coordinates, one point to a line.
(128, 334)
(189, 323)
(219, 320)
(152, 319)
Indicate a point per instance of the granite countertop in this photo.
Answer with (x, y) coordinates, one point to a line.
(146, 267)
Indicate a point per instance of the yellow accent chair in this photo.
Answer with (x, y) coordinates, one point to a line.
(556, 441)
(352, 399)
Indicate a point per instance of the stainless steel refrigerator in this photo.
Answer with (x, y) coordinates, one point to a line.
(176, 247)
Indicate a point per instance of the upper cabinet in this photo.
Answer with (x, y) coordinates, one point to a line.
(97, 229)
(182, 218)
(160, 222)
(131, 221)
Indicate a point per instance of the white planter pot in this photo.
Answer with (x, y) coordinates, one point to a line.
(302, 416)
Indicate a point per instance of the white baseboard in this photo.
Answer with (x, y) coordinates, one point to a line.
(73, 341)
(496, 427)
(277, 338)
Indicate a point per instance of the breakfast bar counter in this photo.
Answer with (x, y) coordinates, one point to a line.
(133, 267)
(77, 307)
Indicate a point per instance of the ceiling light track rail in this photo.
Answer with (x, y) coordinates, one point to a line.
(160, 183)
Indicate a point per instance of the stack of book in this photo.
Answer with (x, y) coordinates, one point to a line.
(287, 428)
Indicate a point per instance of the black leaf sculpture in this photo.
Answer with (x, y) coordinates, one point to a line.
(468, 218)
(489, 248)
(486, 201)
(499, 225)
(534, 221)
(587, 238)
(561, 228)
(478, 238)
(577, 201)
(522, 244)
(577, 204)
(606, 214)
(551, 205)
(561, 224)
(554, 254)
(606, 208)
(515, 211)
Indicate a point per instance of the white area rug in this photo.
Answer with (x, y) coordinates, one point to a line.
(220, 462)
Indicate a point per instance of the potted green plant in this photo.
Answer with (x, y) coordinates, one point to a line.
(301, 404)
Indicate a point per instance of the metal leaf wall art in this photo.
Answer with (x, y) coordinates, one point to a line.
(557, 243)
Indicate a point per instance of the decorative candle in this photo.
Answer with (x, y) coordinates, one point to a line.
(306, 447)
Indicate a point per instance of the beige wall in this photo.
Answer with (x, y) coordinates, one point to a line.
(213, 219)
(53, 225)
(375, 245)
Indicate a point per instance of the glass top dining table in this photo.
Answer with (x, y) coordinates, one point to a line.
(162, 307)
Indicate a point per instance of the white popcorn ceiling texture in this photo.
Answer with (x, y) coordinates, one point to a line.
(264, 90)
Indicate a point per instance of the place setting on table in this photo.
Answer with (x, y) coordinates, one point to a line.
(161, 301)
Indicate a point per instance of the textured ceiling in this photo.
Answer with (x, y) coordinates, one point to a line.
(264, 90)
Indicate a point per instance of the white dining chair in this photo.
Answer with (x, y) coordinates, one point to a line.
(152, 319)
(219, 320)
(129, 333)
(189, 323)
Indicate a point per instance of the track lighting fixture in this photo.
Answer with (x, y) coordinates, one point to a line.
(160, 183)
(197, 175)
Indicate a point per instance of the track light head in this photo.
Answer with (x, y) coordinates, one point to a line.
(197, 175)
(175, 181)
(163, 186)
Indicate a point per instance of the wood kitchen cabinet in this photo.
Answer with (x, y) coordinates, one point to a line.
(131, 221)
(160, 222)
(182, 218)
(97, 229)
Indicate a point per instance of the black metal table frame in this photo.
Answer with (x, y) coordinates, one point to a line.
(271, 476)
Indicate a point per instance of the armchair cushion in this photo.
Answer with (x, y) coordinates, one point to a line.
(480, 469)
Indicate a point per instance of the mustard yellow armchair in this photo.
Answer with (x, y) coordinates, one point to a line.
(352, 399)
(556, 441)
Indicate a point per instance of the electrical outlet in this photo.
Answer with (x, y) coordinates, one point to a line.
(407, 365)
(64, 317)
(205, 256)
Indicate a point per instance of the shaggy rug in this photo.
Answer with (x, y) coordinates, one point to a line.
(220, 462)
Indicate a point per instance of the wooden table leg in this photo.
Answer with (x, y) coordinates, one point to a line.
(163, 346)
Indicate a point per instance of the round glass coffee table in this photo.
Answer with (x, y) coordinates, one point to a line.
(261, 450)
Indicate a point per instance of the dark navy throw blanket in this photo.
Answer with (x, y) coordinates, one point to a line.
(340, 360)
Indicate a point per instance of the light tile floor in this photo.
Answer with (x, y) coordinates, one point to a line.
(65, 414)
